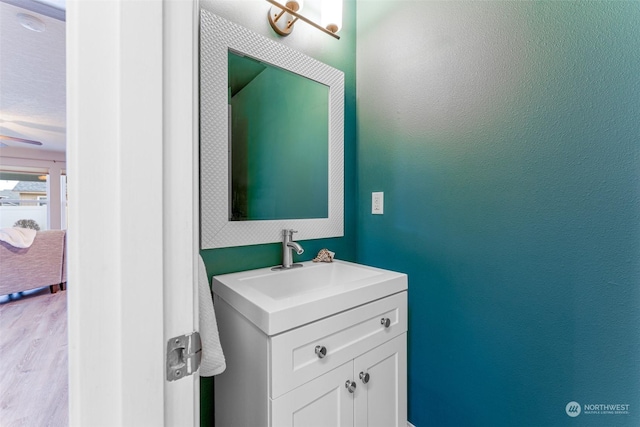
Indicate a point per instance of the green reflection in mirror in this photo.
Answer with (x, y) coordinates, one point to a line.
(279, 146)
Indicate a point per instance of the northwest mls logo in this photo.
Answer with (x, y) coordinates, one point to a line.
(573, 409)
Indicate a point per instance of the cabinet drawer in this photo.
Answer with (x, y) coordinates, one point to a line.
(344, 336)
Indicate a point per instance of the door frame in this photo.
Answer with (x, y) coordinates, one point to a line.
(132, 163)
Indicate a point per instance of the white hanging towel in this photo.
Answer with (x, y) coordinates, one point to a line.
(213, 362)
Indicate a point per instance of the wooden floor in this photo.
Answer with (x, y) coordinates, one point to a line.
(33, 356)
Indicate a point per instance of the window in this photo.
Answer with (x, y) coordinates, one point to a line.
(24, 200)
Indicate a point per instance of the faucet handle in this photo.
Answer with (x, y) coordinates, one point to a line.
(288, 232)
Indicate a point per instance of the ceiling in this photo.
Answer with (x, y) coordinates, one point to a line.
(32, 74)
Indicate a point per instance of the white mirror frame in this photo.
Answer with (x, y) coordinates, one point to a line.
(217, 37)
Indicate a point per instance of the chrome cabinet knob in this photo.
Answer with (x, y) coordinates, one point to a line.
(350, 385)
(321, 351)
(385, 321)
(364, 377)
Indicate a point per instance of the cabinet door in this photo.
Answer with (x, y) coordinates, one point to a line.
(382, 400)
(322, 402)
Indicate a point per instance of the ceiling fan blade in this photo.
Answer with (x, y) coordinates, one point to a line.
(36, 125)
(25, 141)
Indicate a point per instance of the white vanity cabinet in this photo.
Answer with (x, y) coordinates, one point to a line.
(382, 401)
(348, 369)
(373, 394)
(323, 401)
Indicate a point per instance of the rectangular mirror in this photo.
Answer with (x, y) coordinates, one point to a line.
(271, 140)
(279, 142)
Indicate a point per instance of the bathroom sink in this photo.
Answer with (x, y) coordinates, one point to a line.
(276, 301)
(286, 284)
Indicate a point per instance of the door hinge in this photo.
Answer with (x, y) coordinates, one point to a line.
(184, 354)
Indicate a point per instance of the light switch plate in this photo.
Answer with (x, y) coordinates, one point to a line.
(377, 203)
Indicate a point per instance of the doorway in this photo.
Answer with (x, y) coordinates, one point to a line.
(33, 336)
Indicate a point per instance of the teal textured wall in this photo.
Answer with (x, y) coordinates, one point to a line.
(339, 54)
(506, 137)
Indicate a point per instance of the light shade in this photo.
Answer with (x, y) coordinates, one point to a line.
(331, 15)
(295, 5)
(282, 16)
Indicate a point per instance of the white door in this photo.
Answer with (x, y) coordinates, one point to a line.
(132, 238)
(324, 401)
(382, 399)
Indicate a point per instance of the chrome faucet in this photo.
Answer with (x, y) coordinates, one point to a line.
(288, 245)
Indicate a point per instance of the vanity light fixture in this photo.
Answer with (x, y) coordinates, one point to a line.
(282, 17)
